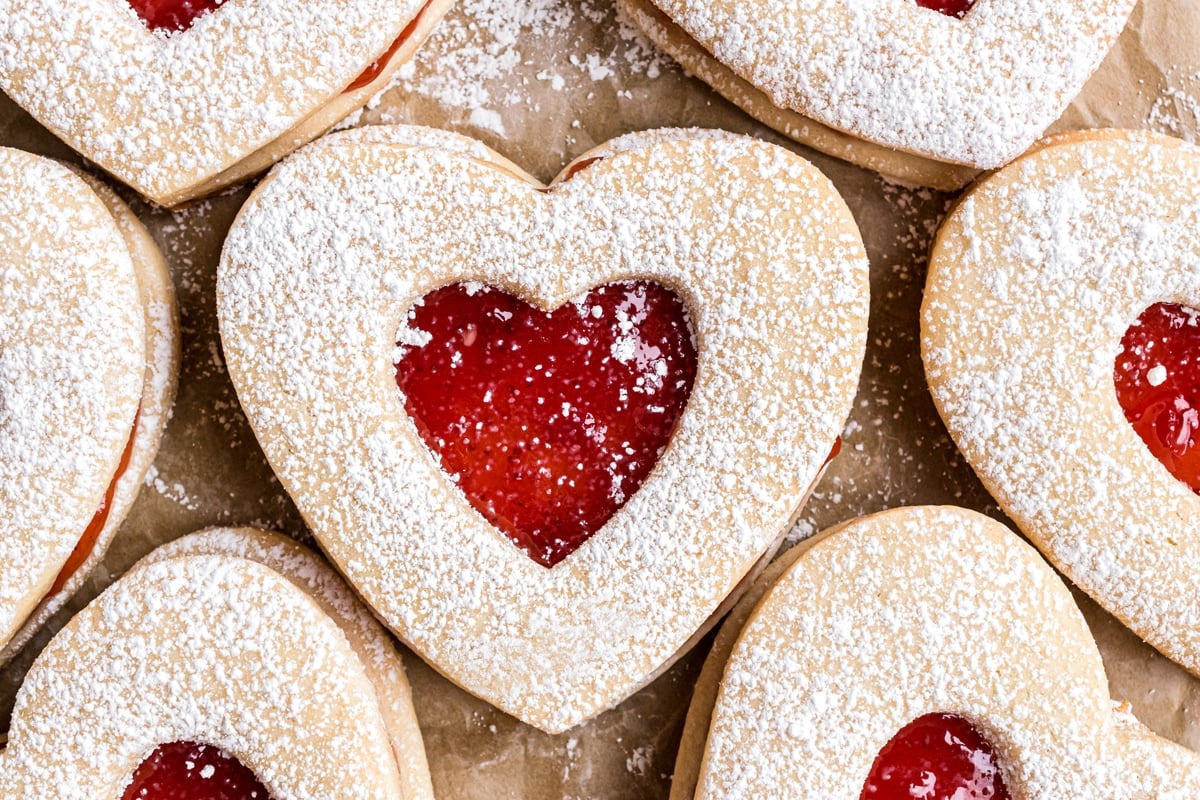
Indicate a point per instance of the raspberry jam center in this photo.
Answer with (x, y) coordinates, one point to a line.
(1157, 376)
(548, 421)
(173, 15)
(190, 771)
(951, 8)
(936, 757)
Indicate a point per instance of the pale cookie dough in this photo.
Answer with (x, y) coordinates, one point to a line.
(1034, 279)
(331, 252)
(216, 639)
(89, 343)
(882, 620)
(911, 93)
(182, 115)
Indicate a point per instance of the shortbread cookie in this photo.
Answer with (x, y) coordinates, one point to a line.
(922, 97)
(712, 281)
(238, 651)
(89, 354)
(916, 653)
(179, 99)
(1035, 282)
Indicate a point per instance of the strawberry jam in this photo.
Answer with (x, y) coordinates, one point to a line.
(548, 421)
(173, 15)
(951, 8)
(1157, 376)
(936, 757)
(189, 771)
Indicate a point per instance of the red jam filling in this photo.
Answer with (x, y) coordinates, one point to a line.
(1157, 376)
(936, 757)
(548, 421)
(190, 771)
(951, 8)
(173, 15)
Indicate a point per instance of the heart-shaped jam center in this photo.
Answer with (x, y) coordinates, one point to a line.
(173, 15)
(547, 421)
(189, 771)
(1157, 375)
(951, 8)
(936, 757)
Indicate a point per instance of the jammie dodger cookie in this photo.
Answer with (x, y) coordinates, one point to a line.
(926, 91)
(88, 361)
(231, 664)
(918, 653)
(546, 431)
(1059, 334)
(179, 98)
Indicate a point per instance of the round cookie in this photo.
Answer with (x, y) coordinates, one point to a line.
(350, 234)
(90, 355)
(178, 114)
(238, 639)
(877, 622)
(1034, 280)
(916, 95)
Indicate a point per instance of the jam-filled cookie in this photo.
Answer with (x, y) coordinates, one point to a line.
(917, 653)
(1061, 340)
(231, 664)
(179, 98)
(546, 431)
(928, 92)
(89, 355)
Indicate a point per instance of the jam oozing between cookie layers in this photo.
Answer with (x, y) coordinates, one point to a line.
(936, 757)
(174, 16)
(951, 8)
(1157, 376)
(190, 771)
(548, 421)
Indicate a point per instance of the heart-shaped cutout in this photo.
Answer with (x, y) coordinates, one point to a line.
(200, 109)
(1034, 281)
(936, 757)
(1157, 376)
(79, 427)
(548, 421)
(192, 771)
(951, 8)
(172, 15)
(885, 84)
(223, 656)
(872, 626)
(752, 239)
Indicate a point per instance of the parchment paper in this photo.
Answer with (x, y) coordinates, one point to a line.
(542, 81)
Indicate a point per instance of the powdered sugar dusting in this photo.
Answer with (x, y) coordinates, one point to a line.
(752, 239)
(917, 611)
(72, 359)
(168, 112)
(1074, 242)
(205, 648)
(975, 91)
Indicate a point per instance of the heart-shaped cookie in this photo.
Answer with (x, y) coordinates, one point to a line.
(892, 618)
(318, 278)
(89, 354)
(238, 641)
(179, 114)
(1034, 281)
(920, 96)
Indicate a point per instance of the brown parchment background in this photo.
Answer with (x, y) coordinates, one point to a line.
(542, 81)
